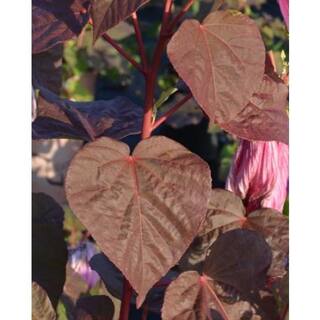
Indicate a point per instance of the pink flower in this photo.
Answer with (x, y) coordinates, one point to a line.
(284, 7)
(79, 260)
(259, 174)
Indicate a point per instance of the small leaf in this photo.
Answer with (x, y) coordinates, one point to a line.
(164, 96)
(265, 117)
(55, 21)
(41, 306)
(98, 307)
(149, 205)
(221, 61)
(61, 118)
(108, 13)
(275, 228)
(239, 258)
(49, 251)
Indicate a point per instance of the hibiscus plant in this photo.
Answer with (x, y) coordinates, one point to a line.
(179, 246)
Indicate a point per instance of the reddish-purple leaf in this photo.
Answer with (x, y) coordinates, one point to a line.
(61, 118)
(239, 258)
(190, 297)
(143, 210)
(107, 13)
(221, 61)
(265, 117)
(274, 226)
(55, 21)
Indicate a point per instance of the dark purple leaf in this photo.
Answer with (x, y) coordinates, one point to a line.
(61, 118)
(239, 258)
(55, 21)
(47, 70)
(49, 251)
(107, 13)
(97, 307)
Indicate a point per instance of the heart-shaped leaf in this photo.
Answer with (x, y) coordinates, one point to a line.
(108, 13)
(265, 116)
(55, 21)
(113, 280)
(190, 297)
(239, 258)
(148, 206)
(41, 306)
(61, 118)
(94, 308)
(49, 251)
(221, 60)
(274, 226)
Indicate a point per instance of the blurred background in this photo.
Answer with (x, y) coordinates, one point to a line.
(99, 72)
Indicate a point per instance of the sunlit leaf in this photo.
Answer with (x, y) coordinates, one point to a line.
(221, 61)
(265, 117)
(149, 205)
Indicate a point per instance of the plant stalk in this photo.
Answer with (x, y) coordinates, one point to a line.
(125, 301)
(151, 76)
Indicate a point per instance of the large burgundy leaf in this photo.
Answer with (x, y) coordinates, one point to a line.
(274, 226)
(108, 13)
(55, 21)
(61, 118)
(221, 60)
(148, 206)
(189, 297)
(225, 212)
(239, 258)
(265, 116)
(47, 69)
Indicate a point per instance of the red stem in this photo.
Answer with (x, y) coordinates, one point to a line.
(180, 15)
(151, 75)
(166, 115)
(125, 301)
(123, 52)
(145, 312)
(141, 47)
